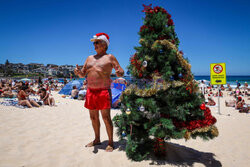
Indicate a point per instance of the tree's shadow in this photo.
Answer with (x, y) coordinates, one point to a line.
(184, 156)
(176, 154)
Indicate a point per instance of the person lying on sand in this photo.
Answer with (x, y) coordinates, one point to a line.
(230, 103)
(211, 102)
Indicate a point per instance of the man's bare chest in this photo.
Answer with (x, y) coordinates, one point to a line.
(102, 62)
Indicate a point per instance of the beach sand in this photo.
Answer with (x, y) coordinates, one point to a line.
(56, 137)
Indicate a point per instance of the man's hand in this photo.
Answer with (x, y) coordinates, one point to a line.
(77, 70)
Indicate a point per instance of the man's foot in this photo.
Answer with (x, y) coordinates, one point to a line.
(93, 143)
(109, 148)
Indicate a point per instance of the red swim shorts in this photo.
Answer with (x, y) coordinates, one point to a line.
(98, 99)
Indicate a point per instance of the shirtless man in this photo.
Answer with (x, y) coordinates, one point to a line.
(98, 68)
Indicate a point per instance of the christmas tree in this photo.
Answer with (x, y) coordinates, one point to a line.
(164, 101)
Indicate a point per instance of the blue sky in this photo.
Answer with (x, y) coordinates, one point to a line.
(59, 31)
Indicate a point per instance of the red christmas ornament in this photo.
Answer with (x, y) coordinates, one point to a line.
(203, 106)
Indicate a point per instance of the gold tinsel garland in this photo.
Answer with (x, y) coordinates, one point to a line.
(188, 77)
(180, 58)
(212, 128)
(147, 92)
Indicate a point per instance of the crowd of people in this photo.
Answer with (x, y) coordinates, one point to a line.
(22, 90)
(236, 93)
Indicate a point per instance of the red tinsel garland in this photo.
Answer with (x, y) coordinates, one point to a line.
(146, 27)
(191, 125)
(136, 64)
(156, 9)
(170, 22)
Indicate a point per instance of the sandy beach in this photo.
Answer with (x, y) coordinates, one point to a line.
(56, 137)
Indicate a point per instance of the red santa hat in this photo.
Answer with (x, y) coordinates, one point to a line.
(101, 36)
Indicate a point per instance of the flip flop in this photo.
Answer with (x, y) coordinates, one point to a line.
(91, 144)
(109, 148)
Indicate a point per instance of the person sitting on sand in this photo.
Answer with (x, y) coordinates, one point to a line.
(44, 96)
(47, 87)
(211, 92)
(120, 81)
(6, 91)
(211, 102)
(246, 93)
(31, 91)
(222, 87)
(246, 86)
(82, 93)
(74, 92)
(221, 94)
(7, 94)
(229, 88)
(1, 90)
(240, 102)
(245, 109)
(23, 98)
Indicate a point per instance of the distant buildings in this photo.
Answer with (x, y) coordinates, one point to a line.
(36, 68)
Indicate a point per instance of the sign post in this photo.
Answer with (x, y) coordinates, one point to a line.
(218, 77)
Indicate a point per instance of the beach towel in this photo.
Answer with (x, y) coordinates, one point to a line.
(12, 102)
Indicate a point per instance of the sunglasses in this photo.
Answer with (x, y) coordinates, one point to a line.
(97, 42)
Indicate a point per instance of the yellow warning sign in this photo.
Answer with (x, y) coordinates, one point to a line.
(218, 73)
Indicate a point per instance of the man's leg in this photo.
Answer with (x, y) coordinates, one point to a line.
(94, 116)
(109, 127)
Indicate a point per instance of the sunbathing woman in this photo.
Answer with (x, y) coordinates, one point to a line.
(23, 98)
(44, 95)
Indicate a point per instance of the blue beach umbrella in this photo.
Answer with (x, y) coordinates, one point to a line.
(66, 90)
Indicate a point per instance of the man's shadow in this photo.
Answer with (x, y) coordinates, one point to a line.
(175, 155)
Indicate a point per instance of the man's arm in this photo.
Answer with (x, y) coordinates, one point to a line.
(118, 69)
(82, 72)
